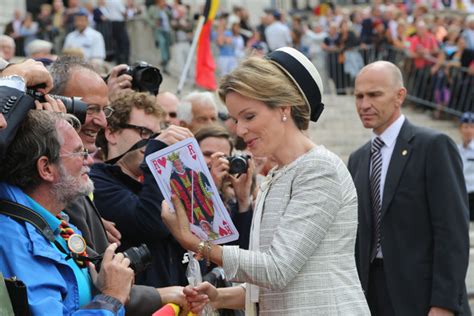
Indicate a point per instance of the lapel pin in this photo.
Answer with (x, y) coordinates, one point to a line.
(404, 152)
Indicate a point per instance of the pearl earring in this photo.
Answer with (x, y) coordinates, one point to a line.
(284, 118)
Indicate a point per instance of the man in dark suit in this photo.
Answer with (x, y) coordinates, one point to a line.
(413, 245)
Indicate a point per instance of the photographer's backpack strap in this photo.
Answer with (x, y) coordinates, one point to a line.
(23, 213)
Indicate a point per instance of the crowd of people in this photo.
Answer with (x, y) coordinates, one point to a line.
(340, 41)
(386, 235)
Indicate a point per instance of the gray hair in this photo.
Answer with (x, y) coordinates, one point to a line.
(184, 111)
(5, 39)
(39, 46)
(37, 136)
(61, 71)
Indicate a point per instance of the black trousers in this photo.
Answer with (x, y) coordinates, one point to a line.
(122, 42)
(378, 298)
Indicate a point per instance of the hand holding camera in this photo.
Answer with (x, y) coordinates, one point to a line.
(51, 104)
(219, 168)
(141, 77)
(115, 278)
(33, 72)
(242, 183)
(118, 81)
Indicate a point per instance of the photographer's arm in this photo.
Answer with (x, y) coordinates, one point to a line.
(119, 82)
(33, 72)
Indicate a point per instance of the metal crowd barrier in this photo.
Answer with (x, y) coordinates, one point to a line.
(451, 89)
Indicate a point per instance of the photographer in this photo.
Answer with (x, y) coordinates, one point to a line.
(40, 175)
(235, 189)
(119, 82)
(125, 190)
(14, 104)
(140, 76)
(27, 74)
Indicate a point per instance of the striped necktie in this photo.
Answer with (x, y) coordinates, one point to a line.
(376, 199)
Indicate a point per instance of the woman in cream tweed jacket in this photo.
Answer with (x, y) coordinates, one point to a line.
(301, 256)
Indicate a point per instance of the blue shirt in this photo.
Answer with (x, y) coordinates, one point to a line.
(53, 286)
(82, 275)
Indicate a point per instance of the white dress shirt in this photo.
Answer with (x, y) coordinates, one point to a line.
(116, 10)
(467, 156)
(90, 41)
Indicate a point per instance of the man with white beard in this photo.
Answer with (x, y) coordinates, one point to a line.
(47, 167)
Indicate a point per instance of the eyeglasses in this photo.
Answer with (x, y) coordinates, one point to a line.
(144, 132)
(93, 109)
(84, 153)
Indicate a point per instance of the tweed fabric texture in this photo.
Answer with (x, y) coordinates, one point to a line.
(306, 263)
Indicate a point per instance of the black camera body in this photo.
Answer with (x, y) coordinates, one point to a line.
(15, 104)
(140, 257)
(145, 77)
(74, 105)
(238, 164)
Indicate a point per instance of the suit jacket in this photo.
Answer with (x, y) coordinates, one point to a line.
(424, 225)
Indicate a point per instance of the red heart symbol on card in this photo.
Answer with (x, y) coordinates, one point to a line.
(162, 161)
(157, 166)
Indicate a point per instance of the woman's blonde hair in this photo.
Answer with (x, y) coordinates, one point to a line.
(261, 79)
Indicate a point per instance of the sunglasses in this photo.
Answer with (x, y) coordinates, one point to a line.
(173, 114)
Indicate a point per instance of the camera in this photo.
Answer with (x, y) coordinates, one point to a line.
(15, 107)
(74, 105)
(145, 77)
(238, 164)
(140, 257)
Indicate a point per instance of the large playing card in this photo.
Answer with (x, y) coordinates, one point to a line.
(181, 169)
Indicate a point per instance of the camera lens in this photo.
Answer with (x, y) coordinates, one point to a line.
(74, 105)
(238, 164)
(140, 257)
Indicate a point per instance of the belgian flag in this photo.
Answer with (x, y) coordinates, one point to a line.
(205, 65)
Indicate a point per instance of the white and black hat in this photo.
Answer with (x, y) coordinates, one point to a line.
(305, 76)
